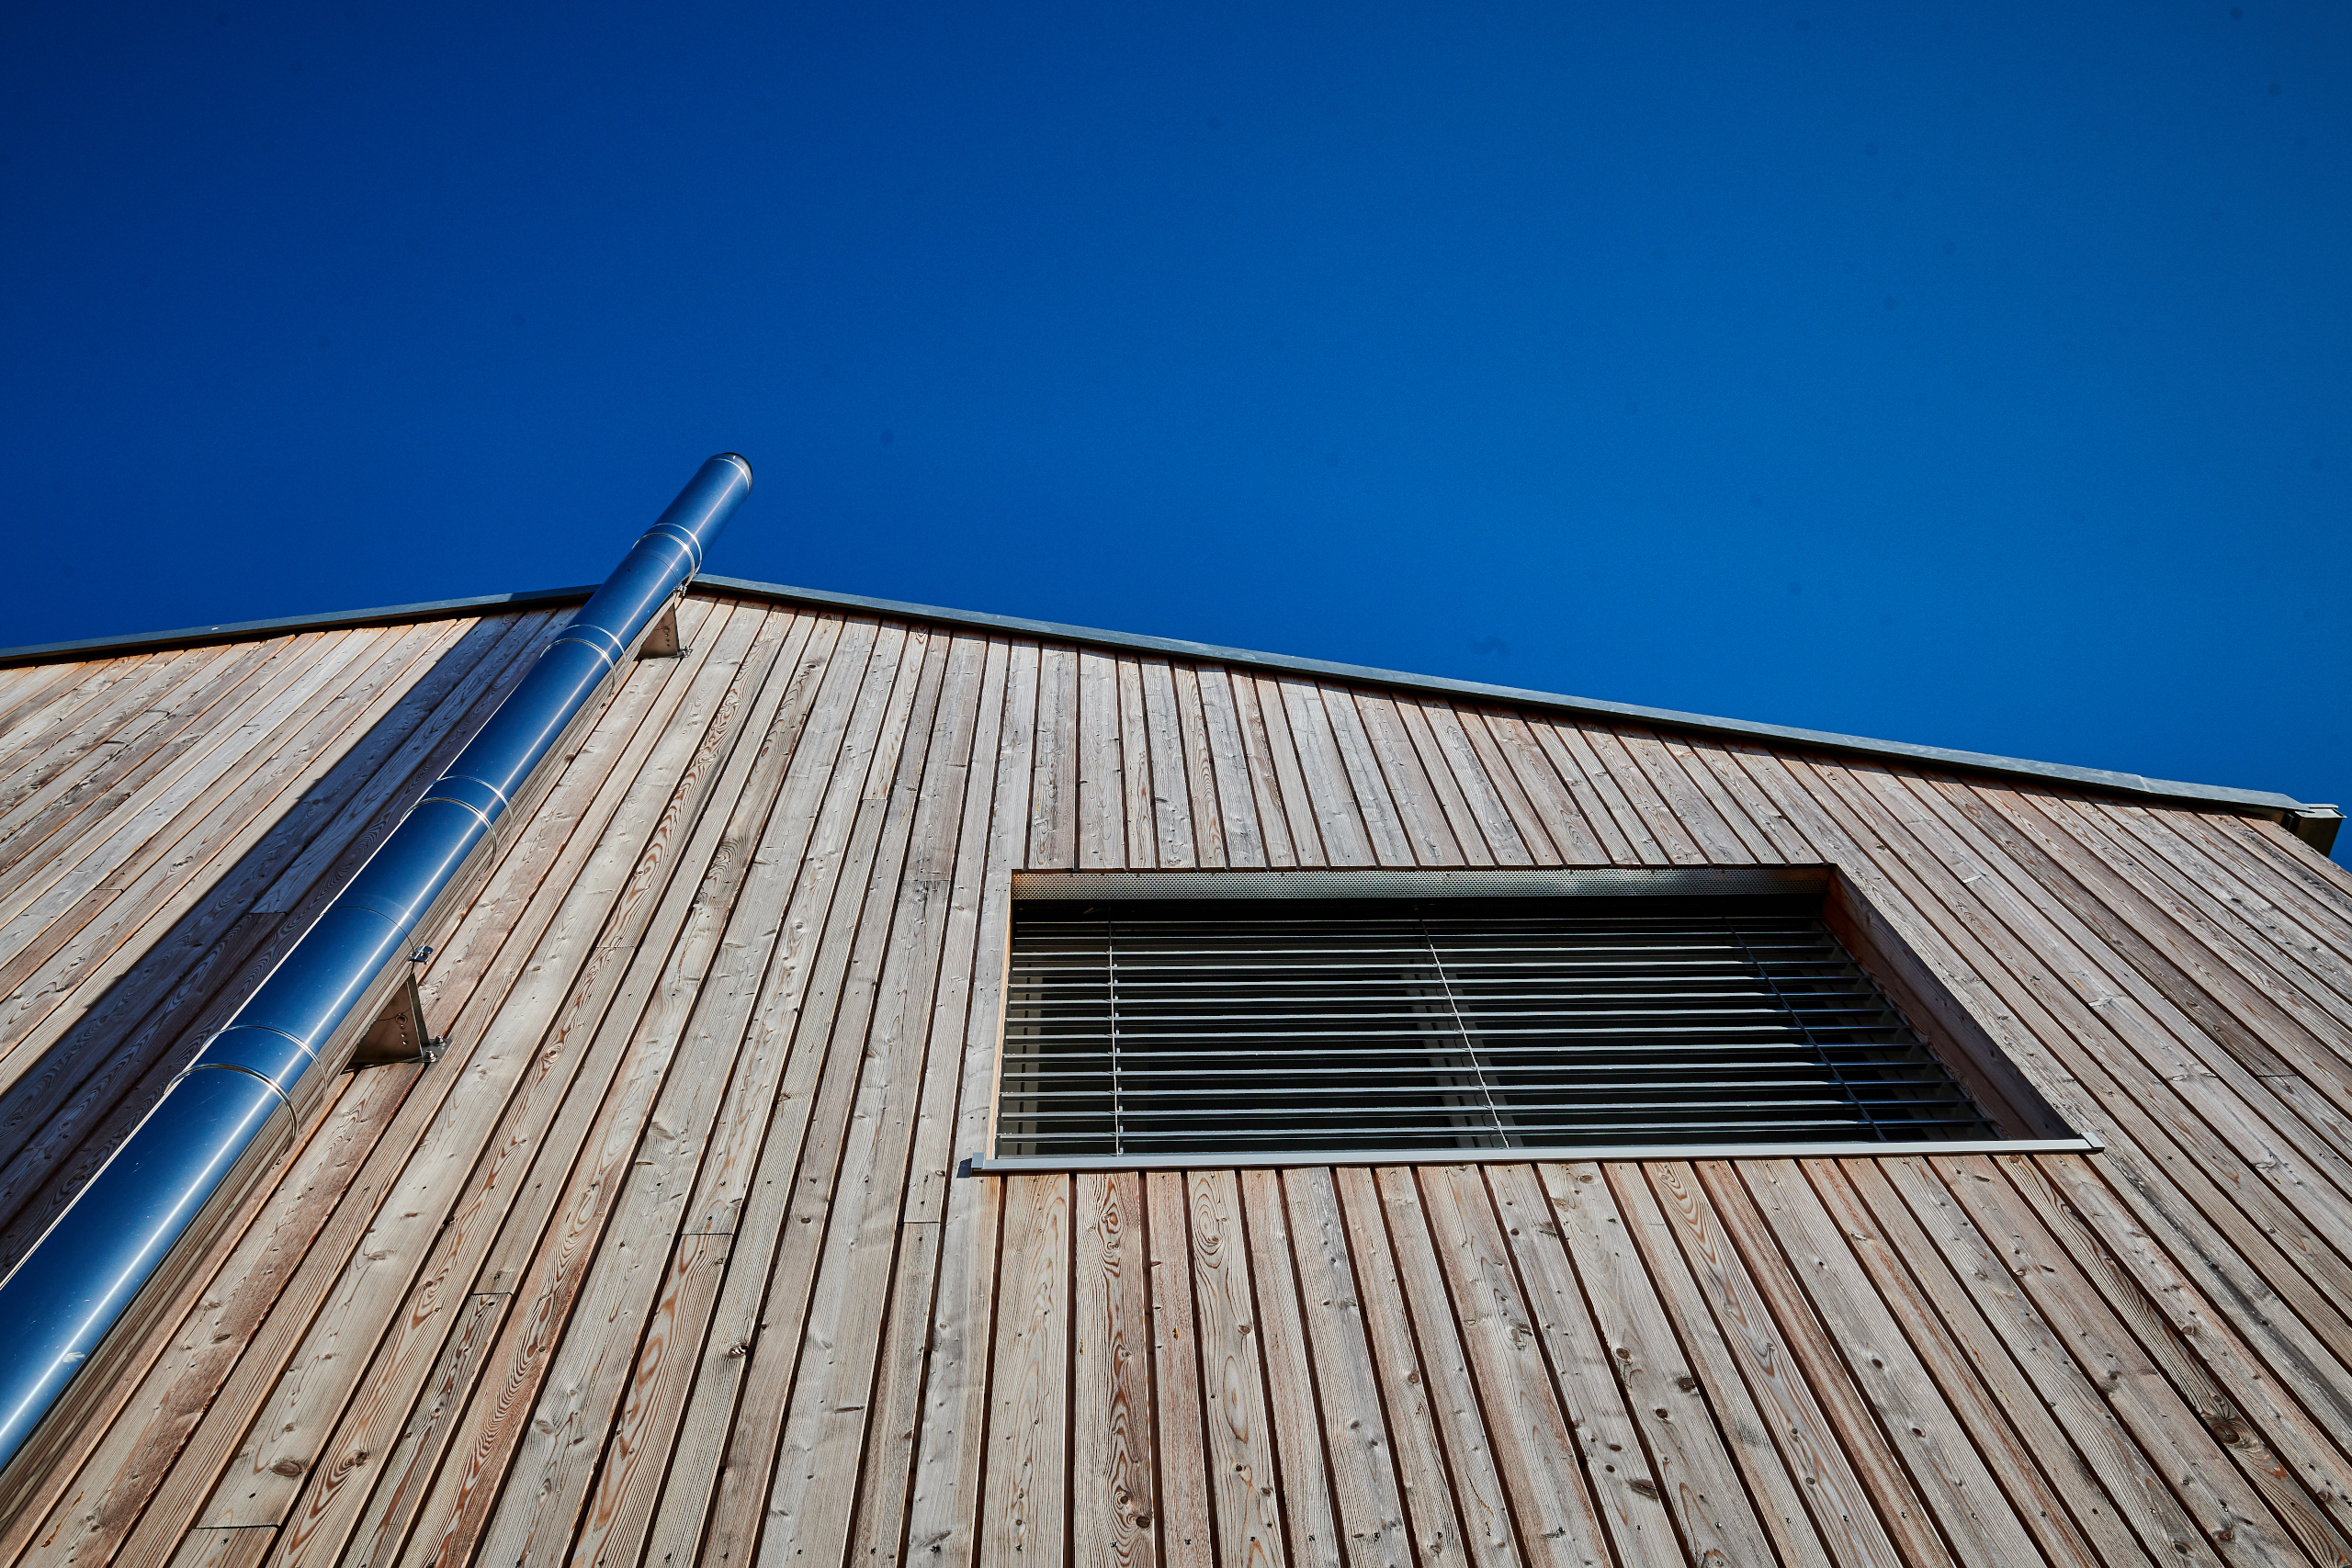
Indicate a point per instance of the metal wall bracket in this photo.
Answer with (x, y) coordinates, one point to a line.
(2316, 825)
(661, 637)
(399, 1034)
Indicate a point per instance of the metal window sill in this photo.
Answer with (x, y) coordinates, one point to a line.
(983, 1165)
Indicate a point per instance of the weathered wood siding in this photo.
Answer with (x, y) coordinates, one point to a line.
(667, 1261)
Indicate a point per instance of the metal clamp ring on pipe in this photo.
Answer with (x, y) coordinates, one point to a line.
(504, 805)
(670, 534)
(586, 644)
(479, 816)
(190, 1071)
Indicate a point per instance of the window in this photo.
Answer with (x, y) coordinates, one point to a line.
(1149, 1029)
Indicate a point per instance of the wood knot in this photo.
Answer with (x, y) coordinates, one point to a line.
(290, 1467)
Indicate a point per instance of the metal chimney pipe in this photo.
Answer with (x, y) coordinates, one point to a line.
(224, 1118)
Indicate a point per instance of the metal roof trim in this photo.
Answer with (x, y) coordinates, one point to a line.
(330, 620)
(1518, 696)
(2265, 801)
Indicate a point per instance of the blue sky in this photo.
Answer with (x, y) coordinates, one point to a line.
(1975, 375)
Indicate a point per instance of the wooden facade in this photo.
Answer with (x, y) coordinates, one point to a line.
(668, 1260)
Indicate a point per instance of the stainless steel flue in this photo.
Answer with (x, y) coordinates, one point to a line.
(127, 1237)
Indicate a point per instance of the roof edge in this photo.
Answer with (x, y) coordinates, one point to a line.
(2267, 802)
(330, 620)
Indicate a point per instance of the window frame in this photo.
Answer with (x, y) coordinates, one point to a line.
(1944, 1024)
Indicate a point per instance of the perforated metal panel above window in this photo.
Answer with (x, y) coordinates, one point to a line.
(1401, 1027)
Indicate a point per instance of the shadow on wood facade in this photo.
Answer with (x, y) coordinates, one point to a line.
(668, 1260)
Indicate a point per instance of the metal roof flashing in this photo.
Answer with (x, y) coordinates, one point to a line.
(2314, 824)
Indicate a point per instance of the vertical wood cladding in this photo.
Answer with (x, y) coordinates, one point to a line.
(668, 1260)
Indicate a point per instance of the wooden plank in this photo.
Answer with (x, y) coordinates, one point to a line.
(547, 1239)
(1476, 786)
(1299, 804)
(181, 1405)
(2246, 1260)
(2270, 971)
(1314, 1528)
(784, 1425)
(1713, 1368)
(1434, 818)
(2163, 1474)
(2208, 1101)
(647, 1157)
(1699, 799)
(945, 1488)
(129, 719)
(1138, 791)
(1594, 1268)
(627, 1481)
(1330, 800)
(1113, 1479)
(1978, 1521)
(1605, 807)
(1248, 839)
(1862, 1502)
(1763, 814)
(517, 907)
(406, 1472)
(56, 1037)
(69, 1475)
(366, 1289)
(2301, 912)
(1378, 803)
(2273, 858)
(109, 1014)
(1200, 772)
(45, 827)
(1244, 1499)
(961, 1069)
(1482, 1492)
(1637, 1499)
(2048, 1483)
(39, 890)
(1553, 808)
(1366, 1484)
(2079, 1207)
(601, 912)
(1024, 1485)
(51, 895)
(942, 1504)
(148, 968)
(2091, 1287)
(1171, 781)
(1646, 761)
(888, 999)
(1101, 782)
(82, 800)
(1338, 1217)
(1290, 839)
(556, 1225)
(50, 741)
(97, 1488)
(885, 1502)
(1184, 1532)
(1054, 792)
(1604, 750)
(88, 1116)
(37, 687)
(879, 1532)
(1558, 1521)
(2102, 897)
